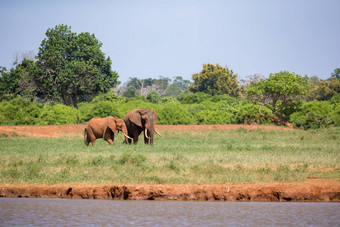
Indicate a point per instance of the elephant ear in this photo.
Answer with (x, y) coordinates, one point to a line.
(155, 117)
(136, 118)
(111, 123)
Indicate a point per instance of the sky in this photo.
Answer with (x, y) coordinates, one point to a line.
(153, 38)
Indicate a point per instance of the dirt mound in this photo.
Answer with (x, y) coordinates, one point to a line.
(78, 130)
(318, 190)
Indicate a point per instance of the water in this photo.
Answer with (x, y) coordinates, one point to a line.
(67, 212)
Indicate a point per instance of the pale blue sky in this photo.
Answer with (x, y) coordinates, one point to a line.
(174, 38)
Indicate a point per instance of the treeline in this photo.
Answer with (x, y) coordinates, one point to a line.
(70, 81)
(189, 108)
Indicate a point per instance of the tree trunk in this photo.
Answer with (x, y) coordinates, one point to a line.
(66, 100)
(275, 120)
(74, 100)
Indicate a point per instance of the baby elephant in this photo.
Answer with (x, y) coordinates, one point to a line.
(104, 128)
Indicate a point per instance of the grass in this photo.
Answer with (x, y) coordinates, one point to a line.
(214, 157)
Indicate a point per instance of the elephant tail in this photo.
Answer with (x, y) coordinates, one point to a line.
(85, 134)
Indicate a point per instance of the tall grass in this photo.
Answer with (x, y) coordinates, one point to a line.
(219, 157)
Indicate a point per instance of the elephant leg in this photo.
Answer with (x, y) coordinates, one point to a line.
(91, 138)
(93, 141)
(109, 137)
(146, 140)
(87, 142)
(135, 138)
(112, 139)
(129, 141)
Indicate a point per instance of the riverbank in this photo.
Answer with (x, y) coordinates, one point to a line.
(312, 190)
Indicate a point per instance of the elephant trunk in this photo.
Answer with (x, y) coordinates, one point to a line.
(151, 133)
(124, 130)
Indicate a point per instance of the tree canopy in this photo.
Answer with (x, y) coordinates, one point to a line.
(215, 80)
(72, 66)
(279, 93)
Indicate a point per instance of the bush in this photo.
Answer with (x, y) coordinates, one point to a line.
(153, 97)
(169, 100)
(19, 111)
(191, 98)
(85, 111)
(214, 117)
(313, 115)
(28, 115)
(104, 109)
(109, 96)
(248, 113)
(58, 114)
(175, 115)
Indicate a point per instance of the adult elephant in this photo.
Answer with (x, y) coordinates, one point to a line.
(104, 128)
(139, 120)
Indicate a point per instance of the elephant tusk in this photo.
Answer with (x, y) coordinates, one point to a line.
(127, 136)
(157, 133)
(146, 134)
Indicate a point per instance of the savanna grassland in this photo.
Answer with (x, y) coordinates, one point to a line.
(178, 157)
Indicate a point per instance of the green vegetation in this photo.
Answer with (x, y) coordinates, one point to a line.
(281, 93)
(214, 80)
(69, 67)
(192, 157)
(197, 108)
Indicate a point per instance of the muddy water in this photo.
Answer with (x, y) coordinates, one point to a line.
(66, 212)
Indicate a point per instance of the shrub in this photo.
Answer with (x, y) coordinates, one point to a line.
(153, 97)
(169, 100)
(85, 111)
(313, 115)
(248, 113)
(190, 98)
(175, 115)
(28, 115)
(58, 114)
(104, 109)
(19, 111)
(109, 96)
(214, 117)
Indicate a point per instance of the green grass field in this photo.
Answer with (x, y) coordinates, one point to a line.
(213, 157)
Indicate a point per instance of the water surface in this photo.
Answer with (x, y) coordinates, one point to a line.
(68, 212)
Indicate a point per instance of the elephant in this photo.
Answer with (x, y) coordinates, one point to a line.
(139, 120)
(104, 128)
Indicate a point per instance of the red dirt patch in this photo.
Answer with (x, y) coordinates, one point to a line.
(78, 130)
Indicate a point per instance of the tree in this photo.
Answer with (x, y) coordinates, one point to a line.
(336, 73)
(280, 93)
(8, 84)
(153, 97)
(144, 86)
(177, 87)
(215, 80)
(72, 66)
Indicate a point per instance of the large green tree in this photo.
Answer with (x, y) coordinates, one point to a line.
(215, 80)
(72, 66)
(280, 93)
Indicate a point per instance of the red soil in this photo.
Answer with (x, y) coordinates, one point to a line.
(325, 190)
(77, 130)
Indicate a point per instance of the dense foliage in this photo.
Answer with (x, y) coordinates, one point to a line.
(69, 68)
(215, 80)
(208, 109)
(280, 93)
